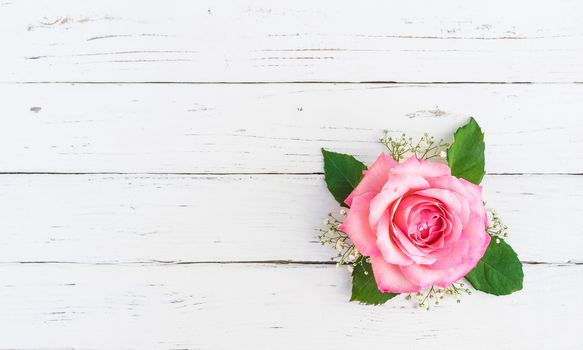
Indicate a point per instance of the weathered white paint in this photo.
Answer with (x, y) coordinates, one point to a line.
(270, 306)
(303, 40)
(276, 128)
(127, 218)
(109, 235)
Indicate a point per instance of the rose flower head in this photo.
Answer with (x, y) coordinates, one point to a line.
(419, 225)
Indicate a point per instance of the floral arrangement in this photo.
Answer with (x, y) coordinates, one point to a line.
(415, 222)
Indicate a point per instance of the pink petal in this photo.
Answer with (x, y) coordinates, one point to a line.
(397, 185)
(411, 249)
(478, 239)
(403, 214)
(468, 249)
(381, 202)
(409, 181)
(450, 199)
(472, 200)
(461, 270)
(374, 178)
(452, 234)
(356, 225)
(421, 167)
(435, 232)
(476, 201)
(389, 250)
(389, 277)
(425, 276)
(455, 256)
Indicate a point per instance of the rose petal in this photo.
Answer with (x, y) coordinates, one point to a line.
(389, 277)
(472, 259)
(472, 200)
(408, 207)
(478, 238)
(450, 199)
(425, 276)
(396, 186)
(374, 178)
(389, 250)
(356, 225)
(381, 202)
(455, 256)
(423, 168)
(476, 201)
(409, 248)
(467, 246)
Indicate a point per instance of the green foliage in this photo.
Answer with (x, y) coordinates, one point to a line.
(499, 272)
(466, 155)
(342, 173)
(364, 286)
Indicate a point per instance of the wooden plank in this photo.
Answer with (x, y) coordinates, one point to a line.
(304, 40)
(276, 128)
(257, 306)
(126, 218)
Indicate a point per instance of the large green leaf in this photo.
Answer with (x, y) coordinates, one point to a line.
(466, 155)
(364, 286)
(499, 272)
(342, 173)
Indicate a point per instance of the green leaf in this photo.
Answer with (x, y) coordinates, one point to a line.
(342, 173)
(499, 272)
(364, 286)
(466, 155)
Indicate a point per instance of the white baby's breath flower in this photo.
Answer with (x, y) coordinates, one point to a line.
(434, 294)
(402, 146)
(331, 235)
(496, 227)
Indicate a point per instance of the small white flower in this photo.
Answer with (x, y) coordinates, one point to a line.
(342, 211)
(443, 154)
(339, 245)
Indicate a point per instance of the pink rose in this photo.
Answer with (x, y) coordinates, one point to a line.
(420, 225)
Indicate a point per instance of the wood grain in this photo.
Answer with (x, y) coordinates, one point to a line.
(276, 128)
(160, 167)
(265, 306)
(262, 40)
(171, 218)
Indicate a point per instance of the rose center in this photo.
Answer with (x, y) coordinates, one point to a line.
(427, 228)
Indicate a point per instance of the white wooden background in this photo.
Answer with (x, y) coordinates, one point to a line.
(161, 182)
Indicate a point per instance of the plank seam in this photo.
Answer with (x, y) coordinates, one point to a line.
(315, 82)
(231, 262)
(237, 173)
